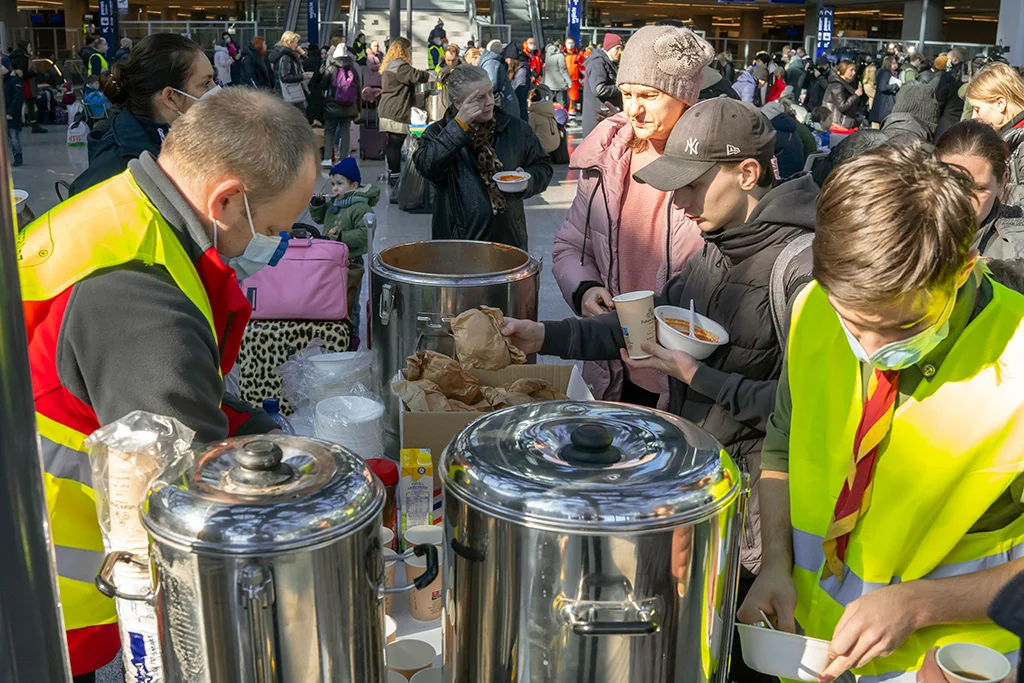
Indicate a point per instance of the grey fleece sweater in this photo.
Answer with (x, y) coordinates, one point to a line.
(132, 340)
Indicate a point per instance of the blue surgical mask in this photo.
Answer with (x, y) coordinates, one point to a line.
(262, 250)
(899, 355)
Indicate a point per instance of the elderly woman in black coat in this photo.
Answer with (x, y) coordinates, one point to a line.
(461, 153)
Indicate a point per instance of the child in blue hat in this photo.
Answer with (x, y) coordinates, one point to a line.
(343, 216)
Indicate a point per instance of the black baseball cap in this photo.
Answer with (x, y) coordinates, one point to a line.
(718, 131)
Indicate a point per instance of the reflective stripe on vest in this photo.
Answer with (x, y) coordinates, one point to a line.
(952, 452)
(109, 225)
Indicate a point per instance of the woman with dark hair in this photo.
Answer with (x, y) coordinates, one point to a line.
(165, 75)
(886, 87)
(253, 68)
(461, 153)
(982, 152)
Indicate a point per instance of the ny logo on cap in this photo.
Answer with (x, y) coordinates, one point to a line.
(691, 146)
(732, 149)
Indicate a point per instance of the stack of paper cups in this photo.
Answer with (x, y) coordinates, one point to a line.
(131, 464)
(353, 422)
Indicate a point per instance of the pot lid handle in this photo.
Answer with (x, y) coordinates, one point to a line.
(591, 444)
(259, 465)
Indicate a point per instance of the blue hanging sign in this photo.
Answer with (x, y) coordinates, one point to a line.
(826, 22)
(575, 21)
(108, 25)
(313, 21)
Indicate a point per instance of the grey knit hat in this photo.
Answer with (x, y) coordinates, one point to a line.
(668, 58)
(918, 99)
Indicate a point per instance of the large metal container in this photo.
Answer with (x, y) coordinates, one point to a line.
(416, 289)
(589, 543)
(267, 561)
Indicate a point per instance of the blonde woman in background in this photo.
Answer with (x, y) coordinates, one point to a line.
(996, 95)
(398, 81)
(286, 65)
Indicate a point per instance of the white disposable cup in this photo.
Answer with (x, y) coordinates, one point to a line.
(636, 317)
(390, 564)
(425, 604)
(387, 537)
(130, 467)
(428, 676)
(979, 660)
(390, 630)
(431, 534)
(409, 657)
(395, 677)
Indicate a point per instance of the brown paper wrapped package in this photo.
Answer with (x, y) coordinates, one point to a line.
(479, 343)
(451, 379)
(522, 391)
(421, 396)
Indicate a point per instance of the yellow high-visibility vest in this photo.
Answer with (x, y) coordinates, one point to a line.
(954, 449)
(108, 225)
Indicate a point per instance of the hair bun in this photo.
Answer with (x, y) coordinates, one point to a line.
(113, 86)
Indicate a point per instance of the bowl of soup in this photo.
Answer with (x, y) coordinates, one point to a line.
(786, 655)
(512, 182)
(674, 332)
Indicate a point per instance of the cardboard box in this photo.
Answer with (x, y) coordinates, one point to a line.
(434, 431)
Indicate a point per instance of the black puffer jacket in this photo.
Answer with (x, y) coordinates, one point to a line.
(1014, 137)
(842, 100)
(286, 67)
(1001, 234)
(462, 209)
(253, 69)
(112, 148)
(733, 393)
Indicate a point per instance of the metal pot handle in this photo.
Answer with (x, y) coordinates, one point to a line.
(642, 625)
(387, 303)
(424, 579)
(105, 577)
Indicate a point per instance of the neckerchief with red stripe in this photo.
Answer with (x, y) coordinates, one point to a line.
(855, 497)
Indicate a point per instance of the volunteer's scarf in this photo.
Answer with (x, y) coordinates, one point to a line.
(855, 497)
(487, 162)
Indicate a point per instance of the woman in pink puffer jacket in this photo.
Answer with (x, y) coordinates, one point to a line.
(620, 235)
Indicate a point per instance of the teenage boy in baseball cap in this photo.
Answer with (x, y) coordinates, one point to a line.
(718, 161)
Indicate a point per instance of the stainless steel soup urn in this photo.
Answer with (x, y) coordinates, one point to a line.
(589, 543)
(267, 564)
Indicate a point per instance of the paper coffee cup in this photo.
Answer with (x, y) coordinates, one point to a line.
(390, 563)
(428, 676)
(395, 677)
(409, 657)
(390, 630)
(426, 604)
(387, 537)
(971, 663)
(636, 317)
(432, 534)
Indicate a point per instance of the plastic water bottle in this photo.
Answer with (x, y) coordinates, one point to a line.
(272, 407)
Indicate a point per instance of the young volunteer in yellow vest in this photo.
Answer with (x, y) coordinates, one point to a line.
(891, 493)
(132, 303)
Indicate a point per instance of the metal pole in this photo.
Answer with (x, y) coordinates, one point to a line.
(32, 645)
(924, 23)
(408, 19)
(395, 16)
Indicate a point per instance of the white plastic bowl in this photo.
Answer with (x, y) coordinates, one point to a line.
(512, 187)
(335, 363)
(671, 338)
(784, 655)
(20, 197)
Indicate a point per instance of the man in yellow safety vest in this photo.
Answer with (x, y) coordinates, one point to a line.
(132, 302)
(891, 492)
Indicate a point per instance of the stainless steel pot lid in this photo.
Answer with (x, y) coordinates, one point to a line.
(589, 466)
(262, 494)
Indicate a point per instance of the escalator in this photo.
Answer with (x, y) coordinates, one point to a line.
(522, 15)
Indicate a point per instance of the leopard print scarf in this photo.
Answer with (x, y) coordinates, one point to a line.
(487, 163)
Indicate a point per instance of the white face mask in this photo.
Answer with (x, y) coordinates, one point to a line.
(262, 250)
(531, 46)
(899, 355)
(211, 91)
(570, 46)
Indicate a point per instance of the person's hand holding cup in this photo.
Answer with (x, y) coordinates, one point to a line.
(965, 663)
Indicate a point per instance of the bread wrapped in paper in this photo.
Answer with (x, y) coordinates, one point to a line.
(479, 343)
